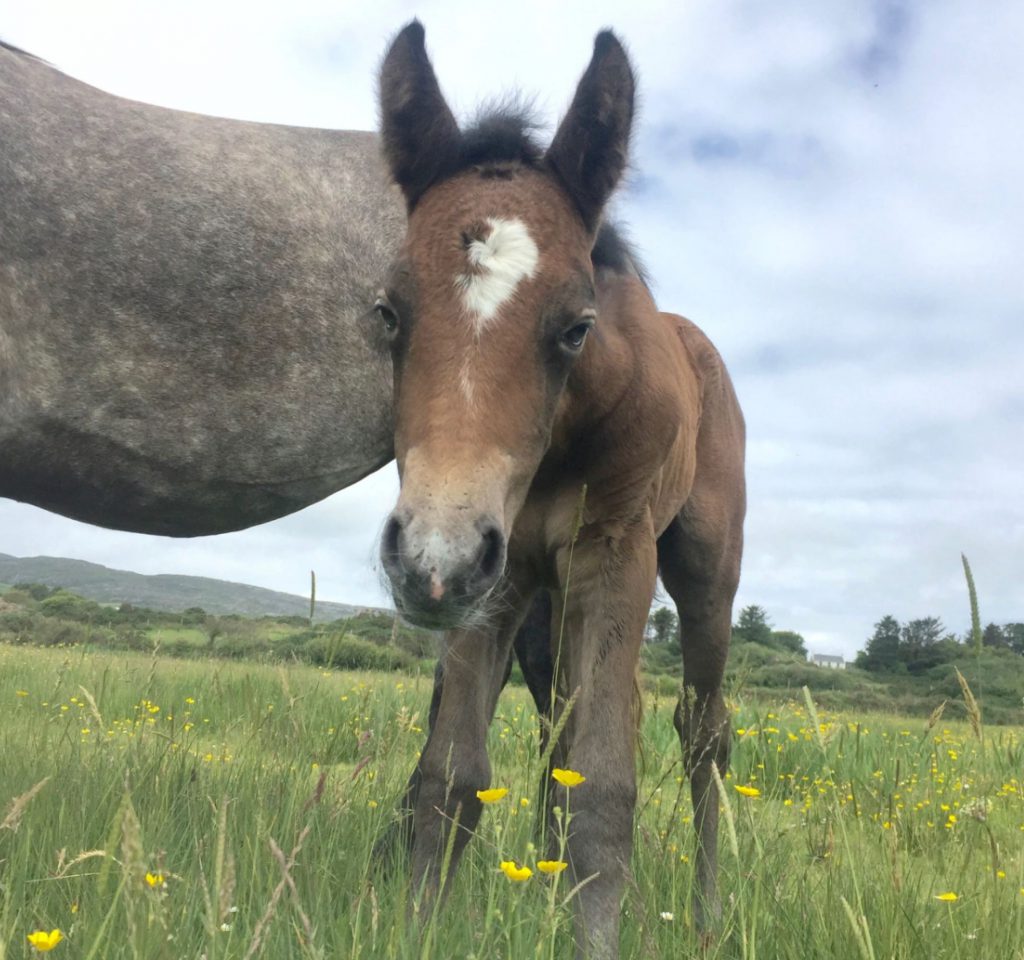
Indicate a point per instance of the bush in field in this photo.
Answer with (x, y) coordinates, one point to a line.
(234, 645)
(662, 658)
(51, 632)
(793, 676)
(381, 629)
(347, 652)
(70, 606)
(997, 677)
(129, 638)
(17, 623)
(37, 591)
(19, 598)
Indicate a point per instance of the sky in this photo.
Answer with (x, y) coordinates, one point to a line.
(832, 189)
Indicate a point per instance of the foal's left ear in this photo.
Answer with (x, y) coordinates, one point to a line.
(420, 135)
(591, 148)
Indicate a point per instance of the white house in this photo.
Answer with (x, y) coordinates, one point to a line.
(828, 660)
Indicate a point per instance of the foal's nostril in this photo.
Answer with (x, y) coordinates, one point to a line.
(390, 548)
(492, 554)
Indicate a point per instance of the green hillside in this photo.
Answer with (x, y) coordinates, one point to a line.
(169, 592)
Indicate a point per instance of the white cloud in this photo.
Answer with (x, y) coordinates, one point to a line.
(831, 189)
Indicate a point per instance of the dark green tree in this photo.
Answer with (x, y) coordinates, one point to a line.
(193, 617)
(70, 606)
(663, 625)
(882, 651)
(924, 643)
(753, 626)
(1014, 633)
(789, 640)
(993, 636)
(37, 591)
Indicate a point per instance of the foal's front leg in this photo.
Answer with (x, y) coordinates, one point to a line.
(606, 609)
(533, 651)
(454, 764)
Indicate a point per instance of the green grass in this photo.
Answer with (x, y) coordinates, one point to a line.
(192, 769)
(192, 636)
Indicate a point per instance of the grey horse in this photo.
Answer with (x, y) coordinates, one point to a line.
(185, 346)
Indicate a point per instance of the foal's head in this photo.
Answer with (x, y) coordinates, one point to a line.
(487, 309)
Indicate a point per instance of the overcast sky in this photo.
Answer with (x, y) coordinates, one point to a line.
(832, 190)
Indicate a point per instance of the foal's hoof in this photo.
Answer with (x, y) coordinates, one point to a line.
(393, 846)
(706, 918)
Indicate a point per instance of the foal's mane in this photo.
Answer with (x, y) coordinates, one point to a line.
(502, 137)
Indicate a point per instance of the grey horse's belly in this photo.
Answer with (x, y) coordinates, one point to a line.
(185, 345)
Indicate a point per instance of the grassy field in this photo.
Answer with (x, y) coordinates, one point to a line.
(156, 808)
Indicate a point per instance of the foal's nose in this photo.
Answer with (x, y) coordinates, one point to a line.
(438, 571)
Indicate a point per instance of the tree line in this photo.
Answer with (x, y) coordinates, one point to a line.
(912, 647)
(752, 626)
(919, 645)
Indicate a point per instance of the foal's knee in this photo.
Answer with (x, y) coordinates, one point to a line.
(453, 782)
(601, 828)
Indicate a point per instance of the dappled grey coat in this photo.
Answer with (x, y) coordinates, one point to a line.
(184, 340)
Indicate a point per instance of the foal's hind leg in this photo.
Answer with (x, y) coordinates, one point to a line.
(699, 557)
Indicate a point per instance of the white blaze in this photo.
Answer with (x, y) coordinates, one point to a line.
(501, 260)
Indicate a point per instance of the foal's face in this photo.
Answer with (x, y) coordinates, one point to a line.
(487, 310)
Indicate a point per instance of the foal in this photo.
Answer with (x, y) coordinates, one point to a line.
(530, 361)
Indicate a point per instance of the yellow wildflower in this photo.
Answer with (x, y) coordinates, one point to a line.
(949, 897)
(551, 866)
(567, 778)
(746, 791)
(44, 941)
(491, 796)
(524, 801)
(155, 879)
(514, 873)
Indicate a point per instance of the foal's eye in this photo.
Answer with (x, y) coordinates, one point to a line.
(388, 317)
(574, 337)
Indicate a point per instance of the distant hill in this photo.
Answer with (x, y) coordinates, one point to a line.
(165, 591)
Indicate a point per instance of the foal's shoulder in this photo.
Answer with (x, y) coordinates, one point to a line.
(703, 353)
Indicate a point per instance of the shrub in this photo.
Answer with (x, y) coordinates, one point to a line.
(18, 597)
(69, 606)
(347, 652)
(236, 645)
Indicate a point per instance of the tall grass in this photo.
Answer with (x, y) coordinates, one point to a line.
(256, 793)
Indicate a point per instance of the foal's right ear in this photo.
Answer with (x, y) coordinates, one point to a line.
(421, 137)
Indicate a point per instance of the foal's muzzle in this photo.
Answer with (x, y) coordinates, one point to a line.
(440, 572)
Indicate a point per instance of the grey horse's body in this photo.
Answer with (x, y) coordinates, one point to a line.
(182, 340)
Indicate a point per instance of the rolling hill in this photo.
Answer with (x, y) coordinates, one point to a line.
(171, 592)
